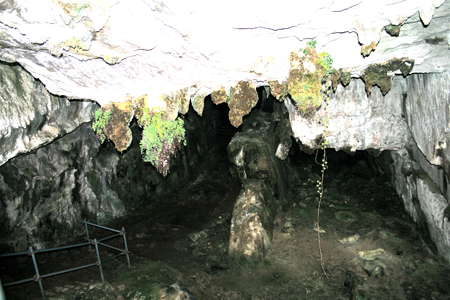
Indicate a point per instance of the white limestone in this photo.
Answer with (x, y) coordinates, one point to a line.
(111, 50)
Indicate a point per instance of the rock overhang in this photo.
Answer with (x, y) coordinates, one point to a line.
(111, 51)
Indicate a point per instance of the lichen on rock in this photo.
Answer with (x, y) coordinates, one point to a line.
(117, 129)
(380, 74)
(393, 30)
(198, 103)
(367, 49)
(177, 102)
(340, 76)
(307, 72)
(277, 89)
(243, 98)
(219, 96)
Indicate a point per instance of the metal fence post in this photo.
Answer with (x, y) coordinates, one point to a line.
(2, 293)
(36, 270)
(99, 261)
(87, 234)
(126, 246)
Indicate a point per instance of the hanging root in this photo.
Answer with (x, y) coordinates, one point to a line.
(320, 190)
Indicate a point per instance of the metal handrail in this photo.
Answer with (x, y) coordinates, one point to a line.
(119, 233)
(90, 242)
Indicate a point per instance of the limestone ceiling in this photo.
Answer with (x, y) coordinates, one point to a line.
(112, 50)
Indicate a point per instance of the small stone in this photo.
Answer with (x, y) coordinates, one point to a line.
(350, 240)
(318, 229)
(94, 286)
(371, 254)
(288, 227)
(374, 268)
(194, 237)
(175, 292)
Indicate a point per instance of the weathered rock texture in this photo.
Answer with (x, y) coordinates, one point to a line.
(351, 120)
(253, 153)
(30, 116)
(45, 195)
(420, 171)
(412, 120)
(97, 50)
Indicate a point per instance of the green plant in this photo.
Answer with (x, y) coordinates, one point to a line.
(160, 139)
(320, 192)
(101, 119)
(326, 62)
(311, 44)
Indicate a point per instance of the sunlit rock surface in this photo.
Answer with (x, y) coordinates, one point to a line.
(107, 51)
(30, 116)
(351, 120)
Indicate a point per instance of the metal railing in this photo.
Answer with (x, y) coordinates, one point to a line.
(90, 242)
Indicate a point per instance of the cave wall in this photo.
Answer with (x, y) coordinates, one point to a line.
(47, 193)
(30, 116)
(355, 120)
(419, 172)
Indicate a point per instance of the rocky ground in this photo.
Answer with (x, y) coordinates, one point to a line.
(371, 250)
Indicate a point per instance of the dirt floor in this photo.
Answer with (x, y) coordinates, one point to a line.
(371, 249)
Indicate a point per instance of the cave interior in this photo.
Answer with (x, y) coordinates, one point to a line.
(178, 226)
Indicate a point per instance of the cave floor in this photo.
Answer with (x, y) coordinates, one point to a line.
(371, 250)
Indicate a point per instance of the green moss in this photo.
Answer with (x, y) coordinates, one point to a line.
(345, 78)
(306, 75)
(101, 119)
(378, 74)
(161, 138)
(311, 44)
(340, 76)
(326, 62)
(393, 30)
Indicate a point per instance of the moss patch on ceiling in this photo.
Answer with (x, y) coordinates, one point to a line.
(380, 74)
(308, 71)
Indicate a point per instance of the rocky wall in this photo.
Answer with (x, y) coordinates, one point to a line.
(419, 172)
(354, 120)
(30, 116)
(46, 194)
